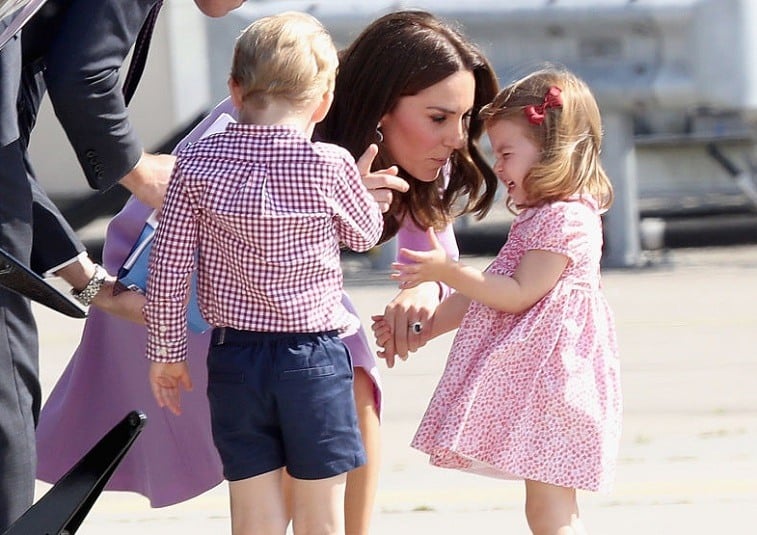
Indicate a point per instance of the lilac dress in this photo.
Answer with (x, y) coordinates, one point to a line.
(174, 459)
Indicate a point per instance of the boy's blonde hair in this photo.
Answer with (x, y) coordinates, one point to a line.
(289, 55)
(569, 135)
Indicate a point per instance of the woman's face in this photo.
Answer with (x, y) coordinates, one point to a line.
(423, 130)
(515, 154)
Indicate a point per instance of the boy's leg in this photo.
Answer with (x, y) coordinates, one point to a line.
(362, 482)
(257, 505)
(318, 505)
(320, 431)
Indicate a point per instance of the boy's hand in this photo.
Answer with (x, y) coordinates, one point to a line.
(166, 380)
(384, 336)
(380, 183)
(426, 265)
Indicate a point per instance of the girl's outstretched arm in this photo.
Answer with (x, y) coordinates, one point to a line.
(418, 303)
(536, 274)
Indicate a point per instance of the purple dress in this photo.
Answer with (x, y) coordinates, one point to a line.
(174, 459)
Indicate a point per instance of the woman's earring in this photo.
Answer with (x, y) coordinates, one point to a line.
(379, 134)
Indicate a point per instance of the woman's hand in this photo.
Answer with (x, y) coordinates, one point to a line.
(380, 183)
(405, 325)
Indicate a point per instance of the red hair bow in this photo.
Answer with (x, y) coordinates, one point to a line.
(552, 99)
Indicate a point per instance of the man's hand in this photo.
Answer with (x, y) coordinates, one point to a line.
(148, 180)
(126, 304)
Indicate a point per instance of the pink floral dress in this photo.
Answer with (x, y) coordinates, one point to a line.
(535, 395)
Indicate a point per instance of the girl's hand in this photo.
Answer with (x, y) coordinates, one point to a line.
(426, 265)
(380, 183)
(166, 381)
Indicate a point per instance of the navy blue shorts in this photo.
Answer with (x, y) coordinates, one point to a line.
(282, 400)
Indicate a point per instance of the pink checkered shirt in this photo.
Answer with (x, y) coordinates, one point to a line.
(260, 212)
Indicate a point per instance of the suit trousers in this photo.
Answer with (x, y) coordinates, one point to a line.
(19, 378)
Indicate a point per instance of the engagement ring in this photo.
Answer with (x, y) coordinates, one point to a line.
(416, 327)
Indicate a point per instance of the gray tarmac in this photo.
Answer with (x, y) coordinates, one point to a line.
(688, 459)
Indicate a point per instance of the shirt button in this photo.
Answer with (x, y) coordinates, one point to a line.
(163, 328)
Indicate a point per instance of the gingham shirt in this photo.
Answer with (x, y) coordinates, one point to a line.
(260, 211)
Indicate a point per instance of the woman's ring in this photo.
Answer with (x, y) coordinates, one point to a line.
(416, 327)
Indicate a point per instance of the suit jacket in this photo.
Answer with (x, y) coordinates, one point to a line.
(15, 194)
(74, 50)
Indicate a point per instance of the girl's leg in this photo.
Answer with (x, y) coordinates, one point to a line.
(257, 505)
(362, 482)
(552, 510)
(318, 505)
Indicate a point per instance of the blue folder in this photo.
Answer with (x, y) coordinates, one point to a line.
(133, 274)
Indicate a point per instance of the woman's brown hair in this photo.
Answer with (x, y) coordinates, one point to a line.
(398, 55)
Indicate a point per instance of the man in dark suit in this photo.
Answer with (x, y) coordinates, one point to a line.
(74, 49)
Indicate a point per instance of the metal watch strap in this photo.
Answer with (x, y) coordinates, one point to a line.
(88, 293)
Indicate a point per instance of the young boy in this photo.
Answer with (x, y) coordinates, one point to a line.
(261, 212)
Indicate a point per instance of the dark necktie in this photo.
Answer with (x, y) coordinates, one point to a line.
(139, 56)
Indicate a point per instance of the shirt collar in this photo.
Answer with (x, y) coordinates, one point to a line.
(273, 130)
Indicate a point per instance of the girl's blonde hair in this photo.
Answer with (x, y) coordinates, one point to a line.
(289, 55)
(569, 135)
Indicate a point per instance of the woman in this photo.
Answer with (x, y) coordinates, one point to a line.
(416, 98)
(412, 85)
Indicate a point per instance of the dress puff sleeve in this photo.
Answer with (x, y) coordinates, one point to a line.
(563, 227)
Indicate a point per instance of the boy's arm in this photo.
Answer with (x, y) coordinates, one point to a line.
(172, 261)
(358, 216)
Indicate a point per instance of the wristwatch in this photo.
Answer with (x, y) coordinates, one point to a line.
(88, 293)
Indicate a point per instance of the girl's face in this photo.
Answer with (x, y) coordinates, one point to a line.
(423, 130)
(515, 152)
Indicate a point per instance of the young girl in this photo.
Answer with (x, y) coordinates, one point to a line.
(531, 389)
